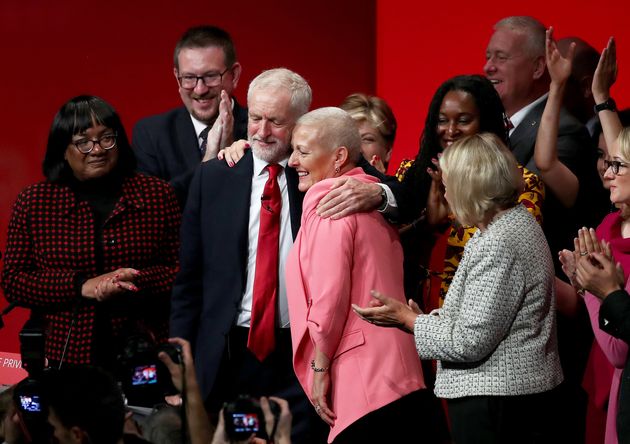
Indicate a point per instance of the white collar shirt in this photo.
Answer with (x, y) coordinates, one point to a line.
(519, 116)
(259, 178)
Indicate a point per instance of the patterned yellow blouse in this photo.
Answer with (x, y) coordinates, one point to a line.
(532, 198)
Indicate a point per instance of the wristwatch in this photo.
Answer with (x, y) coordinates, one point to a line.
(383, 204)
(608, 104)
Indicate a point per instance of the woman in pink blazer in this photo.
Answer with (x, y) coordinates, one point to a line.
(363, 380)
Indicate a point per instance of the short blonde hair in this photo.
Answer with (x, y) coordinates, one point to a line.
(481, 176)
(624, 143)
(373, 110)
(335, 128)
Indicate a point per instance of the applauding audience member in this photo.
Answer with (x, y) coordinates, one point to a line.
(93, 248)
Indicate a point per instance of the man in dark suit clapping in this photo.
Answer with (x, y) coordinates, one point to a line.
(172, 145)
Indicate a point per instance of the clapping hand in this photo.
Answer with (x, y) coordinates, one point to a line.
(606, 72)
(437, 206)
(559, 67)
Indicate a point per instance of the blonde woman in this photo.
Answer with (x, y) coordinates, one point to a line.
(495, 335)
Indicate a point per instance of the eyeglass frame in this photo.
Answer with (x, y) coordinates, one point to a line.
(96, 141)
(197, 78)
(614, 165)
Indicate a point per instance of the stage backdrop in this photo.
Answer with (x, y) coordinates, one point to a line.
(123, 51)
(421, 44)
(402, 50)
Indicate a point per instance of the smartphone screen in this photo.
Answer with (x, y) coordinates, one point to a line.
(30, 403)
(144, 374)
(245, 422)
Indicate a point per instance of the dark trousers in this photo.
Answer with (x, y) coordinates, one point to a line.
(241, 373)
(406, 420)
(525, 419)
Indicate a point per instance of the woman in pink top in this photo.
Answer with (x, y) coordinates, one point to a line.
(363, 380)
(615, 228)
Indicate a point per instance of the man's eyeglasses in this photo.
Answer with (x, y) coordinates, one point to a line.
(614, 165)
(85, 146)
(210, 80)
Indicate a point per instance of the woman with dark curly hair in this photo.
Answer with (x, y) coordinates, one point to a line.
(462, 106)
(92, 249)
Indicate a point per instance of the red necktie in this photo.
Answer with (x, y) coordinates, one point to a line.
(261, 340)
(508, 124)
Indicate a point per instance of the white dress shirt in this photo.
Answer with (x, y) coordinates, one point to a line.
(259, 179)
(200, 126)
(519, 115)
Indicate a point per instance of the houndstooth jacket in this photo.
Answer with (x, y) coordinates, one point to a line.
(51, 241)
(495, 335)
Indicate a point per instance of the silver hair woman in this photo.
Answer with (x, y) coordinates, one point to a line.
(495, 336)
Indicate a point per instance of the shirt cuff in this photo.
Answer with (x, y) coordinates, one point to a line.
(391, 206)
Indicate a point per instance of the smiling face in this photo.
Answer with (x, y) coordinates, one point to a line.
(373, 143)
(511, 69)
(201, 101)
(270, 122)
(98, 162)
(312, 161)
(459, 117)
(619, 184)
(602, 157)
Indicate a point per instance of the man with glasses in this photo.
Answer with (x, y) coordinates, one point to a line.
(171, 145)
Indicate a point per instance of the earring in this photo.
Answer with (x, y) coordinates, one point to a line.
(336, 170)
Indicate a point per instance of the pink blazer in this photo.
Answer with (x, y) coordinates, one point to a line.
(333, 264)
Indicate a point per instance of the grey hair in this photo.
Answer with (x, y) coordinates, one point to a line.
(298, 87)
(335, 128)
(532, 28)
(164, 426)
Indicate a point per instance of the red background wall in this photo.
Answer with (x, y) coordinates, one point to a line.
(122, 50)
(421, 44)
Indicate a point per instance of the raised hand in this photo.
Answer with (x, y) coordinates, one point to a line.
(600, 275)
(559, 67)
(606, 72)
(377, 163)
(227, 119)
(437, 207)
(214, 139)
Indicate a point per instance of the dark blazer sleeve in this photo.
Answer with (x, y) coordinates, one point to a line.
(146, 156)
(390, 181)
(614, 315)
(166, 146)
(240, 121)
(186, 299)
(573, 141)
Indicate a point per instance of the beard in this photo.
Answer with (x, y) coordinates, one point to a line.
(274, 150)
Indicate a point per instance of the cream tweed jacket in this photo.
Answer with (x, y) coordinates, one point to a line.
(495, 335)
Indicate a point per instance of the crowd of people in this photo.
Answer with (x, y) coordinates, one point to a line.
(290, 270)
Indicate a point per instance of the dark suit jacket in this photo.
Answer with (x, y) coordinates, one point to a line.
(614, 319)
(214, 243)
(576, 151)
(573, 139)
(167, 147)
